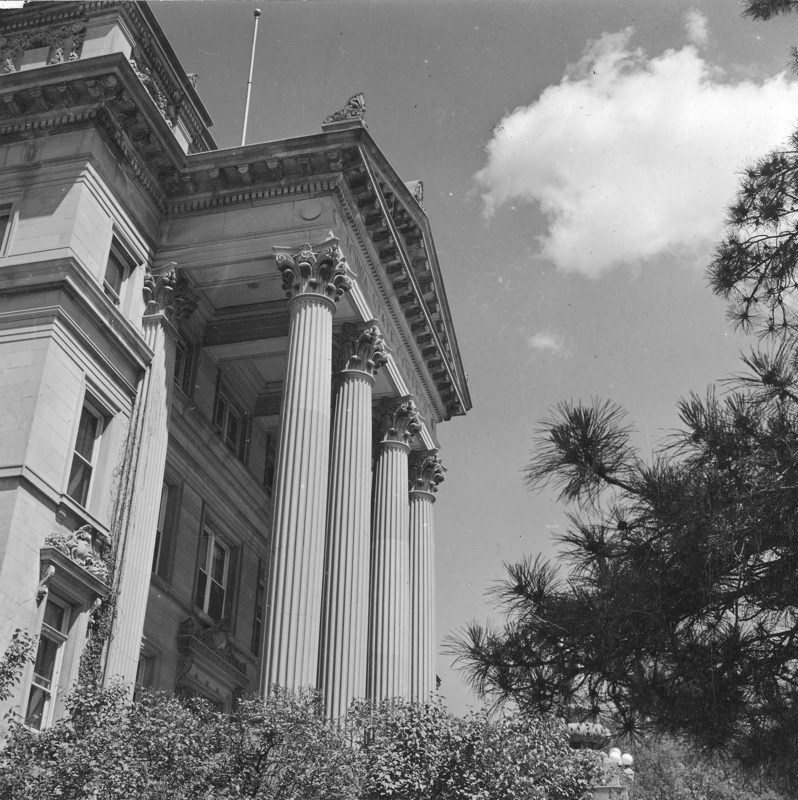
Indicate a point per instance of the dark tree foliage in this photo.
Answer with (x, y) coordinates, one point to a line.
(680, 611)
(679, 614)
(767, 9)
(754, 267)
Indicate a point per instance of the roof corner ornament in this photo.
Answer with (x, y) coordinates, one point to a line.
(352, 115)
(416, 188)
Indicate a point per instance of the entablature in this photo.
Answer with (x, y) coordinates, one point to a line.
(384, 220)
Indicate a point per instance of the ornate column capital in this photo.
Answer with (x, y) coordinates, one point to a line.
(360, 349)
(397, 420)
(318, 270)
(426, 471)
(167, 293)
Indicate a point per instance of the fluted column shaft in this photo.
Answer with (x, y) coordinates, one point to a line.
(300, 497)
(426, 472)
(389, 665)
(422, 597)
(136, 516)
(344, 633)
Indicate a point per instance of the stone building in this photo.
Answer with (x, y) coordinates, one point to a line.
(222, 372)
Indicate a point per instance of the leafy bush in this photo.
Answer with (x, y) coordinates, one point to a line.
(281, 748)
(415, 751)
(162, 747)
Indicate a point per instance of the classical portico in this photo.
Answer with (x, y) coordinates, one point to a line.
(255, 533)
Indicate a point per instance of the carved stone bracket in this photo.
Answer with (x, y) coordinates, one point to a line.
(361, 349)
(206, 656)
(84, 547)
(166, 292)
(426, 471)
(397, 420)
(353, 112)
(320, 270)
(44, 589)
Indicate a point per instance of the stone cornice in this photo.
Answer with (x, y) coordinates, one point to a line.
(383, 213)
(103, 91)
(156, 62)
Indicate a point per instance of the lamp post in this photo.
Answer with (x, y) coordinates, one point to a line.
(617, 769)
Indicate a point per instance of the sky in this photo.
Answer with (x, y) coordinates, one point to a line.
(577, 158)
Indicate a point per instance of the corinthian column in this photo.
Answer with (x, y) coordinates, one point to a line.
(136, 513)
(426, 472)
(344, 633)
(314, 279)
(389, 636)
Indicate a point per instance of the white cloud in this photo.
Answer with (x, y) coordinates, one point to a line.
(696, 27)
(632, 156)
(546, 342)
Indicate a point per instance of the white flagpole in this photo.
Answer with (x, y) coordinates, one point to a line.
(249, 82)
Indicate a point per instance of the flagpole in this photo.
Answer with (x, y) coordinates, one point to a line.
(249, 82)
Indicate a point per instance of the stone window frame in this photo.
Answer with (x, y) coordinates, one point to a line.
(166, 532)
(60, 638)
(185, 366)
(270, 461)
(122, 255)
(259, 609)
(225, 407)
(150, 656)
(81, 461)
(73, 573)
(9, 210)
(101, 406)
(202, 603)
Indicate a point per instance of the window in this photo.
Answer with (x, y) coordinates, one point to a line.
(85, 457)
(260, 599)
(6, 214)
(145, 674)
(161, 557)
(47, 666)
(119, 266)
(268, 470)
(231, 424)
(184, 367)
(215, 576)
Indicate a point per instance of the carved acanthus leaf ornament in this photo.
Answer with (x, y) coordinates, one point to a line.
(426, 471)
(166, 292)
(398, 420)
(355, 108)
(362, 350)
(319, 269)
